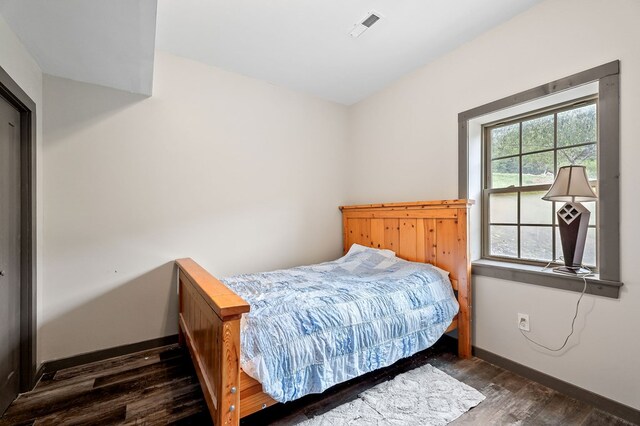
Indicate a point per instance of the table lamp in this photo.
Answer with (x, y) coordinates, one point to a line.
(572, 187)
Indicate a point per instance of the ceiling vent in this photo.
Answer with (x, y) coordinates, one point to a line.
(365, 24)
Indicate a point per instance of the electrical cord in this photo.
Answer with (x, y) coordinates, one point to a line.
(575, 315)
(561, 259)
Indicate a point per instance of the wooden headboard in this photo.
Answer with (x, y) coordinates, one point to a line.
(424, 231)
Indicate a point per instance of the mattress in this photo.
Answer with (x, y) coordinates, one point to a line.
(312, 327)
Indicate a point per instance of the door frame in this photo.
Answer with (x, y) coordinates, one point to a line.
(13, 93)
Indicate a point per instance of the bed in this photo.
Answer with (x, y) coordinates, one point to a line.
(405, 236)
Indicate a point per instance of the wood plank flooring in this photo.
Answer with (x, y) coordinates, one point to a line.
(159, 387)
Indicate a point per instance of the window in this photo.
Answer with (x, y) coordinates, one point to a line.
(509, 151)
(522, 156)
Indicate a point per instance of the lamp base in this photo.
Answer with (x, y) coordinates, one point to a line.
(569, 270)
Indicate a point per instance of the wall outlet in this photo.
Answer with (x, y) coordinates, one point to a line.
(523, 322)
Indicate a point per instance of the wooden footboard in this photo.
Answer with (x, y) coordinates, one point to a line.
(209, 315)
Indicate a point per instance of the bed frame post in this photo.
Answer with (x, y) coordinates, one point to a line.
(209, 323)
(464, 287)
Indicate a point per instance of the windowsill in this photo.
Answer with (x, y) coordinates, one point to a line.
(535, 275)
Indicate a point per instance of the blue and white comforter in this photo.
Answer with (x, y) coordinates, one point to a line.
(314, 326)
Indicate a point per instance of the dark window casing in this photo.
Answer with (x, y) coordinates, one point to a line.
(607, 282)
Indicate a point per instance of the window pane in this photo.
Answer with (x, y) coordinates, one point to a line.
(503, 208)
(505, 141)
(537, 134)
(581, 156)
(591, 206)
(577, 126)
(559, 253)
(521, 224)
(535, 210)
(537, 168)
(505, 172)
(536, 242)
(504, 241)
(589, 257)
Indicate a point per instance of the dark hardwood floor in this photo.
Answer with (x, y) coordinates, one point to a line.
(160, 387)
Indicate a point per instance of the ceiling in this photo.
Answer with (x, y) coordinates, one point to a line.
(110, 43)
(300, 44)
(305, 44)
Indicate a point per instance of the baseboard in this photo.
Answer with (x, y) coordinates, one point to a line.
(37, 376)
(623, 411)
(100, 355)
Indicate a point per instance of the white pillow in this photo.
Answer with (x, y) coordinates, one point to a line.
(390, 254)
(357, 248)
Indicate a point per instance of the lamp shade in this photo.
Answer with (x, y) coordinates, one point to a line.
(571, 185)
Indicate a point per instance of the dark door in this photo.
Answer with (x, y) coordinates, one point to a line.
(9, 254)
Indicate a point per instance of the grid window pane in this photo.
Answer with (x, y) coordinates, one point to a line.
(505, 141)
(537, 134)
(591, 206)
(578, 125)
(503, 208)
(536, 243)
(505, 172)
(504, 240)
(537, 168)
(523, 155)
(585, 155)
(589, 257)
(534, 210)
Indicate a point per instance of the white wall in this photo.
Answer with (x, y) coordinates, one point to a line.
(24, 70)
(403, 146)
(239, 174)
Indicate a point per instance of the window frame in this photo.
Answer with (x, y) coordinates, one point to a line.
(554, 109)
(607, 281)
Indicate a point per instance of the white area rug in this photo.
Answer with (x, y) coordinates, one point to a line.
(424, 396)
